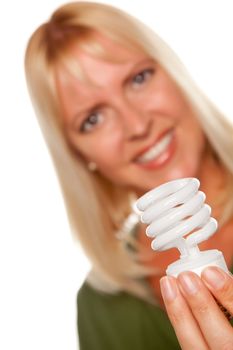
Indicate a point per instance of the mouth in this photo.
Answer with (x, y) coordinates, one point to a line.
(159, 151)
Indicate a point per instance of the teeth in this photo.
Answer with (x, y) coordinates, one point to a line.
(156, 150)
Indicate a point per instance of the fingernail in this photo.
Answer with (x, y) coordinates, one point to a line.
(214, 277)
(189, 282)
(168, 288)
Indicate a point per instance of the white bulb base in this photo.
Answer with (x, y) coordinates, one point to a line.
(197, 263)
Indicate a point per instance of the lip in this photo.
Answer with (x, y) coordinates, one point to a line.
(139, 154)
(162, 159)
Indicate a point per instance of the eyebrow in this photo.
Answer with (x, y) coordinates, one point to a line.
(98, 105)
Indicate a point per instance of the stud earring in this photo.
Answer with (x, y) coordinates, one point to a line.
(92, 166)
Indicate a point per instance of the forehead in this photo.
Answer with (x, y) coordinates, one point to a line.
(94, 61)
(87, 74)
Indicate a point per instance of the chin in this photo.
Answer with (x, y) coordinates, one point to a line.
(188, 170)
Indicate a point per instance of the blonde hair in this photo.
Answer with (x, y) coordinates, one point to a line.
(95, 207)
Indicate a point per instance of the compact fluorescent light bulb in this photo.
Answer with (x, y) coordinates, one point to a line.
(173, 211)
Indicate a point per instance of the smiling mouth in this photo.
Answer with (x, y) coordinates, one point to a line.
(157, 149)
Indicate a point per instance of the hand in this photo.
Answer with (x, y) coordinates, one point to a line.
(196, 317)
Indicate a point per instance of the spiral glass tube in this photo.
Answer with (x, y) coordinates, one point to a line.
(178, 217)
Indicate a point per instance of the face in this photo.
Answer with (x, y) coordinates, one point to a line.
(132, 121)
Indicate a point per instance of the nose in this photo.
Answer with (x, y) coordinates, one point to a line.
(136, 122)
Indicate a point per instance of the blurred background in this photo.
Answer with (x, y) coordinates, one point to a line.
(41, 267)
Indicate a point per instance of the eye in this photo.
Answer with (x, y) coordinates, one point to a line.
(143, 76)
(92, 120)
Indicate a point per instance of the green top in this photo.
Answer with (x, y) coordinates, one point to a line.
(121, 322)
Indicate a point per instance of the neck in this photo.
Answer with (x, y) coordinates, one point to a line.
(213, 179)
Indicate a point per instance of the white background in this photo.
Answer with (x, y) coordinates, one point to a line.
(40, 266)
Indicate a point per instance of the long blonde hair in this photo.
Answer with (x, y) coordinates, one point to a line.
(95, 207)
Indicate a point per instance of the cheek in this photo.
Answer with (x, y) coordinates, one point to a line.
(191, 135)
(165, 99)
(102, 149)
(192, 144)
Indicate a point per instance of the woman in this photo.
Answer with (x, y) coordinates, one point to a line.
(120, 116)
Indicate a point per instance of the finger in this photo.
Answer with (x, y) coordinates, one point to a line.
(214, 326)
(185, 326)
(221, 285)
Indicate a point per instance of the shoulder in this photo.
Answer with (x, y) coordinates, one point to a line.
(91, 300)
(111, 319)
(119, 321)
